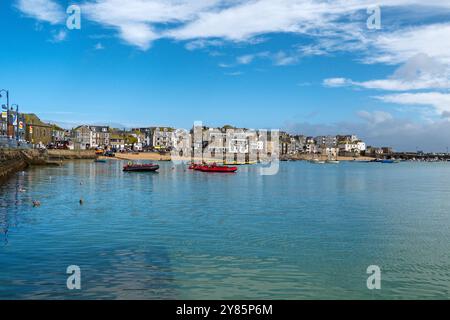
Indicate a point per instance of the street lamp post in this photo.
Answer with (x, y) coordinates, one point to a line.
(7, 106)
(17, 120)
(2, 131)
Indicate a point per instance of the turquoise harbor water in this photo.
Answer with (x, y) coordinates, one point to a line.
(308, 232)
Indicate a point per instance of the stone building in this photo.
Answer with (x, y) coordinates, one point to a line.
(36, 131)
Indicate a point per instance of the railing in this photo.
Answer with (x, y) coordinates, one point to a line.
(9, 143)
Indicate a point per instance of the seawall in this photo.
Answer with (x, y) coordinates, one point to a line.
(14, 160)
(70, 154)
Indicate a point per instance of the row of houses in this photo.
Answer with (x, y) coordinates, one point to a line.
(227, 142)
(30, 128)
(333, 146)
(107, 138)
(226, 139)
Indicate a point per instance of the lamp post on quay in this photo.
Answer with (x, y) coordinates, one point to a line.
(3, 122)
(17, 119)
(3, 91)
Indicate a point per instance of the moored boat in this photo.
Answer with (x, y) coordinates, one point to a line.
(140, 167)
(317, 161)
(193, 166)
(332, 161)
(388, 161)
(100, 160)
(215, 168)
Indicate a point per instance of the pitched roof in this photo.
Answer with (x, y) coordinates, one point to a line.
(33, 119)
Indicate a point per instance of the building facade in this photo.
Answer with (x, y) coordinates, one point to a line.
(89, 137)
(162, 138)
(37, 132)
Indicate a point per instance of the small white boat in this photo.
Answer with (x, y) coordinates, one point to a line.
(333, 161)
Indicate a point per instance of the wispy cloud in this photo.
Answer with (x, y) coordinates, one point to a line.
(282, 58)
(401, 45)
(333, 25)
(99, 46)
(59, 36)
(419, 73)
(246, 59)
(225, 65)
(337, 82)
(202, 44)
(42, 10)
(234, 74)
(136, 22)
(391, 84)
(439, 102)
(279, 58)
(425, 68)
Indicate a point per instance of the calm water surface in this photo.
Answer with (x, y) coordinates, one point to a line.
(308, 232)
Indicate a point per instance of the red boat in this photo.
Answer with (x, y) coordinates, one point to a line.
(215, 168)
(193, 166)
(140, 167)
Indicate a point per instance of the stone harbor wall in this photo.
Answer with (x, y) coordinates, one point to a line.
(11, 161)
(14, 160)
(71, 154)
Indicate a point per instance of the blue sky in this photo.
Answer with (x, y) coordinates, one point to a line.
(305, 66)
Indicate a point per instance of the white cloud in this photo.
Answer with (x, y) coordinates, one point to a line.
(391, 84)
(246, 20)
(138, 34)
(401, 45)
(137, 20)
(336, 82)
(418, 73)
(338, 25)
(43, 10)
(59, 36)
(331, 23)
(202, 44)
(249, 58)
(99, 46)
(246, 59)
(225, 65)
(282, 58)
(439, 102)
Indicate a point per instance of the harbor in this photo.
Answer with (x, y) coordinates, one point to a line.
(308, 232)
(230, 157)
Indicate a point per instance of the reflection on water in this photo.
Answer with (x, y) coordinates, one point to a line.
(10, 202)
(308, 232)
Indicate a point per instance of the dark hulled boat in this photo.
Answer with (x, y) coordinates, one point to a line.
(141, 167)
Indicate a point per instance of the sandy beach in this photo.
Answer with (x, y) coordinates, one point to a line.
(324, 157)
(154, 156)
